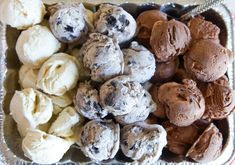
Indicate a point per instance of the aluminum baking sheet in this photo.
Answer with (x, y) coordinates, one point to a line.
(10, 152)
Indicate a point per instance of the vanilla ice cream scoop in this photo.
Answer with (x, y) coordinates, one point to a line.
(139, 62)
(64, 123)
(21, 14)
(100, 139)
(143, 142)
(68, 23)
(114, 21)
(44, 148)
(29, 108)
(35, 45)
(87, 102)
(58, 74)
(120, 95)
(28, 77)
(102, 55)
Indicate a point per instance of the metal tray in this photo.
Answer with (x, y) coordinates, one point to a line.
(10, 141)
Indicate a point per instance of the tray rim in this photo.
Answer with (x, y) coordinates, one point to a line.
(7, 156)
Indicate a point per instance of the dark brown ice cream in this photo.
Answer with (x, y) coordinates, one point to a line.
(207, 60)
(169, 39)
(180, 139)
(183, 103)
(202, 29)
(219, 98)
(208, 146)
(145, 22)
(165, 70)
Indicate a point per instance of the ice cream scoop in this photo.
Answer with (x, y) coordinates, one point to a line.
(64, 123)
(58, 74)
(139, 63)
(208, 146)
(145, 22)
(30, 108)
(68, 22)
(165, 70)
(102, 55)
(140, 112)
(44, 148)
(114, 21)
(87, 102)
(31, 49)
(207, 60)
(202, 29)
(100, 139)
(21, 14)
(180, 139)
(28, 77)
(120, 95)
(183, 103)
(219, 98)
(169, 39)
(160, 110)
(143, 142)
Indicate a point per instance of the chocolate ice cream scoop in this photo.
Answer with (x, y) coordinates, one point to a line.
(160, 111)
(207, 60)
(183, 103)
(169, 39)
(180, 139)
(165, 70)
(145, 22)
(219, 98)
(208, 146)
(202, 29)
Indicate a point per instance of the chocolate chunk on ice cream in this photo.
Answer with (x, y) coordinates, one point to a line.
(207, 60)
(180, 139)
(208, 146)
(114, 21)
(169, 39)
(139, 63)
(100, 139)
(87, 102)
(103, 56)
(202, 29)
(183, 103)
(143, 142)
(145, 22)
(120, 95)
(219, 98)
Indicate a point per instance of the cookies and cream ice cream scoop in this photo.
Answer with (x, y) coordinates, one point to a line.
(114, 21)
(100, 139)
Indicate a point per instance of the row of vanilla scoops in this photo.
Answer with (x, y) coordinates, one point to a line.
(43, 110)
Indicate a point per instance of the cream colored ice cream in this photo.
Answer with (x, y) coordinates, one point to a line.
(29, 108)
(58, 74)
(44, 148)
(35, 45)
(64, 100)
(64, 123)
(28, 77)
(21, 14)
